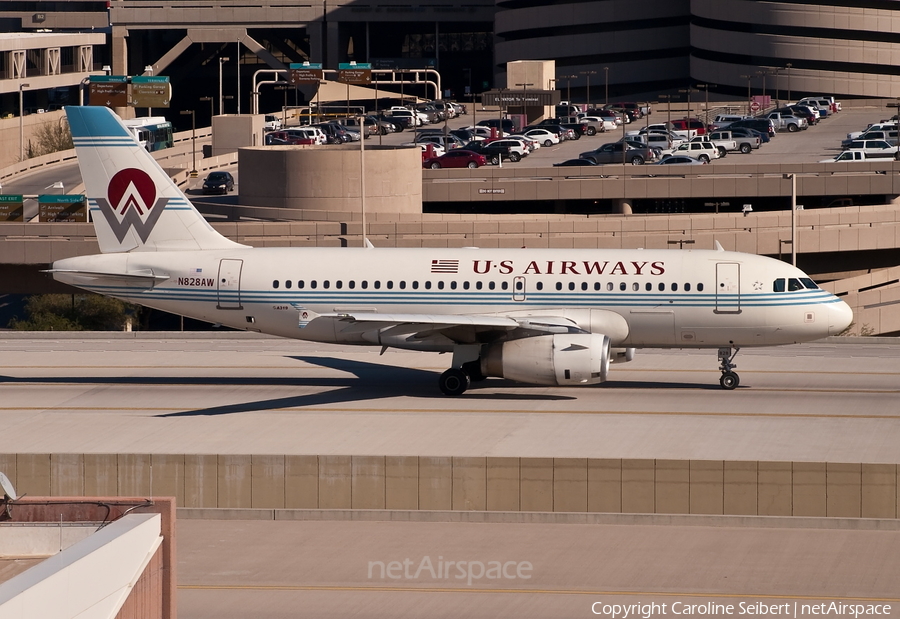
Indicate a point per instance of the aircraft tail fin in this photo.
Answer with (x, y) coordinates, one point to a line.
(133, 202)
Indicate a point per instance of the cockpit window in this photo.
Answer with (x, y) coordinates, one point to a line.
(794, 285)
(778, 286)
(810, 284)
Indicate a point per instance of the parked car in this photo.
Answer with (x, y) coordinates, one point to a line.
(218, 182)
(739, 132)
(507, 125)
(888, 135)
(334, 133)
(598, 123)
(702, 150)
(722, 120)
(689, 127)
(456, 159)
(282, 138)
(742, 143)
(848, 155)
(680, 160)
(619, 152)
(311, 132)
(787, 122)
(875, 148)
(497, 150)
(412, 119)
(545, 137)
(271, 123)
(760, 124)
(447, 142)
(576, 162)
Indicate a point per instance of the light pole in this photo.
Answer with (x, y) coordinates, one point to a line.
(362, 175)
(788, 67)
(22, 87)
(748, 78)
(588, 75)
(222, 60)
(705, 87)
(212, 111)
(688, 90)
(606, 84)
(193, 140)
(525, 86)
(568, 79)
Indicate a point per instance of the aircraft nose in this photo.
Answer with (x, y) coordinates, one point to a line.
(840, 316)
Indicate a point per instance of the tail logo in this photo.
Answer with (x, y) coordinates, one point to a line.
(131, 203)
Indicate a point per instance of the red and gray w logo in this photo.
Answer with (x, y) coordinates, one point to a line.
(132, 203)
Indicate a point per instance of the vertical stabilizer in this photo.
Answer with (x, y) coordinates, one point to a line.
(133, 202)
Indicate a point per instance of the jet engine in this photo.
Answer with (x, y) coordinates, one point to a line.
(559, 359)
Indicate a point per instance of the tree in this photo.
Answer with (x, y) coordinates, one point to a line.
(50, 137)
(79, 312)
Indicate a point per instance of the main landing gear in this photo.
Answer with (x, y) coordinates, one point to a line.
(455, 381)
(730, 380)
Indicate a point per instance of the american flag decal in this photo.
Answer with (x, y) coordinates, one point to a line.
(445, 266)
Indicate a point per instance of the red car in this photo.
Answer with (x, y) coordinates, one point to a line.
(456, 159)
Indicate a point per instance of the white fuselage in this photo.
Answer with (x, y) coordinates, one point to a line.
(668, 298)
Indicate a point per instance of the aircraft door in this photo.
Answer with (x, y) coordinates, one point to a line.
(518, 288)
(229, 284)
(728, 288)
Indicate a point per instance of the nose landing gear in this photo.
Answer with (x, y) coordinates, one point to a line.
(729, 380)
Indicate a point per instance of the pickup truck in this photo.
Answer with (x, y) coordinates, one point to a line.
(741, 143)
(590, 125)
(608, 124)
(874, 148)
(787, 122)
(850, 155)
(725, 145)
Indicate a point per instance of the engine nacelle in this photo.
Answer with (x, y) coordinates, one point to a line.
(559, 359)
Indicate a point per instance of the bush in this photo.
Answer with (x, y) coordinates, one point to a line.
(50, 137)
(80, 312)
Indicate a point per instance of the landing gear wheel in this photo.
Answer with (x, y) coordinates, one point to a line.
(730, 380)
(453, 382)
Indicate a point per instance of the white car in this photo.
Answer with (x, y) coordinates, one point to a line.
(481, 132)
(438, 150)
(547, 138)
(704, 151)
(530, 144)
(272, 123)
(413, 117)
(608, 123)
(515, 145)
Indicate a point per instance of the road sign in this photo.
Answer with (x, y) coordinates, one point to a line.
(108, 90)
(11, 208)
(355, 73)
(305, 76)
(145, 93)
(62, 208)
(754, 107)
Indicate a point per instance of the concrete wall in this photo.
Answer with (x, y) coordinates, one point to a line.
(829, 489)
(327, 178)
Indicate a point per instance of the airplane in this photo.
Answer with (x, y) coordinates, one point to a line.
(537, 316)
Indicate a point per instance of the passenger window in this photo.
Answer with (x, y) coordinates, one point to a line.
(465, 285)
(313, 284)
(478, 285)
(778, 286)
(571, 285)
(687, 287)
(275, 284)
(622, 286)
(559, 285)
(505, 285)
(415, 285)
(452, 285)
(596, 285)
(402, 285)
(674, 287)
(648, 287)
(662, 287)
(609, 286)
(287, 284)
(635, 286)
(699, 287)
(794, 285)
(584, 285)
(326, 284)
(389, 284)
(539, 285)
(376, 285)
(338, 284)
(440, 285)
(428, 285)
(300, 284)
(351, 284)
(491, 285)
